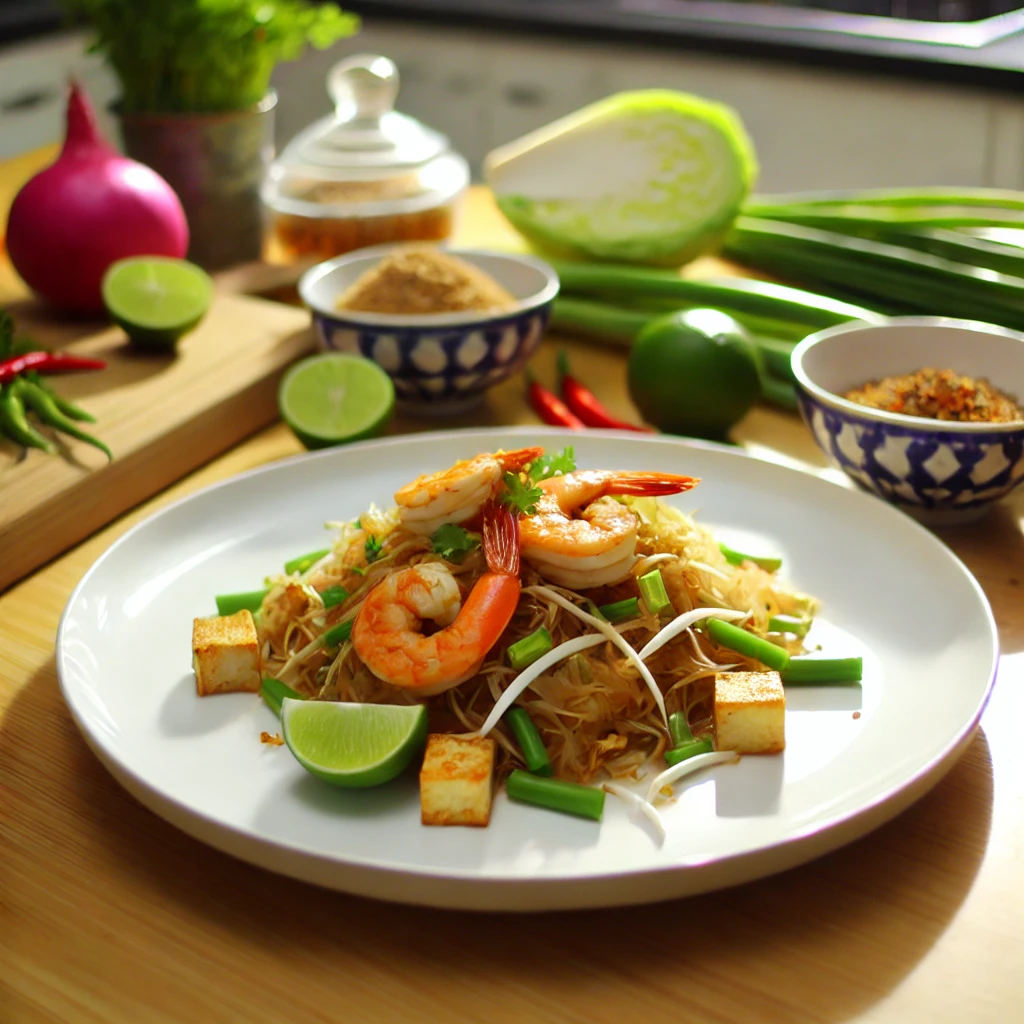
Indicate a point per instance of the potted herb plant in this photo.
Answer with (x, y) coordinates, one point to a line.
(196, 103)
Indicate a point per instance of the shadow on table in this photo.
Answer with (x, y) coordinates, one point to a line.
(821, 942)
(993, 549)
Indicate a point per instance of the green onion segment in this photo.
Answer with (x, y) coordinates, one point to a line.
(619, 611)
(530, 744)
(679, 728)
(739, 640)
(333, 595)
(652, 590)
(556, 795)
(691, 748)
(273, 692)
(304, 562)
(228, 604)
(339, 634)
(770, 563)
(796, 624)
(526, 651)
(822, 671)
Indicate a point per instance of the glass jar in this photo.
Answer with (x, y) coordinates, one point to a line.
(362, 176)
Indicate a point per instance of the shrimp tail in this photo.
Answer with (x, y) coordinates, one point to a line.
(650, 485)
(501, 539)
(518, 459)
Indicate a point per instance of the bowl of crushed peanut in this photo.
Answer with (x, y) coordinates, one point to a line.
(445, 324)
(925, 412)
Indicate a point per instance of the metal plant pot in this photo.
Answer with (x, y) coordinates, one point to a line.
(215, 163)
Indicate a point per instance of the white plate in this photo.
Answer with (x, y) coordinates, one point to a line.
(854, 758)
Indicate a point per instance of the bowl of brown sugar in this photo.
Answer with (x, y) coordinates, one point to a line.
(926, 412)
(445, 324)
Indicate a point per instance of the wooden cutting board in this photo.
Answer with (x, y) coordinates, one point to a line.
(163, 415)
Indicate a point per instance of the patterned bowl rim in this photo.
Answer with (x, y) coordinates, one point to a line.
(864, 413)
(435, 321)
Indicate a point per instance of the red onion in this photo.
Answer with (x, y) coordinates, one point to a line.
(90, 207)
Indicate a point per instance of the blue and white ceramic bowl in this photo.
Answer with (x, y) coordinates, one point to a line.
(440, 364)
(942, 472)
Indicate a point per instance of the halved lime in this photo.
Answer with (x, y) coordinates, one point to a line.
(353, 745)
(156, 299)
(335, 398)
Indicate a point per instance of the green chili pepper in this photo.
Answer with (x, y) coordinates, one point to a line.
(14, 423)
(66, 406)
(6, 334)
(46, 409)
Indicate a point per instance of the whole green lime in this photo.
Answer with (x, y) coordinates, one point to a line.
(695, 372)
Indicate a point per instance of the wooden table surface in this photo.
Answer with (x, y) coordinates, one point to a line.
(107, 914)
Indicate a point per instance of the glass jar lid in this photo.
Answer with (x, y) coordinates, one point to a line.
(366, 154)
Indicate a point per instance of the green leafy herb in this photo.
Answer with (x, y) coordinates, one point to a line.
(519, 496)
(453, 543)
(372, 547)
(204, 55)
(551, 465)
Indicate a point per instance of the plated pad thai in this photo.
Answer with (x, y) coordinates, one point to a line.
(515, 579)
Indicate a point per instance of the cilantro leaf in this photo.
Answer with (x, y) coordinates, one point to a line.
(520, 496)
(453, 543)
(551, 465)
(372, 549)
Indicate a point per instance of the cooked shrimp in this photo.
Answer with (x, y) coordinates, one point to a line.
(388, 635)
(457, 494)
(599, 547)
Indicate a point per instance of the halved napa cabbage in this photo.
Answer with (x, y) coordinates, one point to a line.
(653, 176)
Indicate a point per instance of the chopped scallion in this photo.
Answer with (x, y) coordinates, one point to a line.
(526, 651)
(273, 692)
(556, 795)
(771, 563)
(679, 728)
(652, 590)
(795, 624)
(228, 604)
(333, 595)
(822, 671)
(372, 548)
(304, 562)
(619, 611)
(339, 634)
(532, 746)
(739, 640)
(691, 748)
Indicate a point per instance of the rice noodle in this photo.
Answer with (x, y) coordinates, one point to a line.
(615, 637)
(531, 672)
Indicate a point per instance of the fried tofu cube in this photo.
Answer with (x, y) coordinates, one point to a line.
(226, 654)
(456, 780)
(750, 712)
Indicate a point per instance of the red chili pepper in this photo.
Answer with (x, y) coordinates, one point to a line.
(47, 362)
(585, 404)
(549, 407)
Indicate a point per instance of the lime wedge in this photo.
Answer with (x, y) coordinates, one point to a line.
(353, 745)
(335, 398)
(156, 299)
